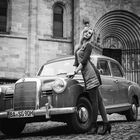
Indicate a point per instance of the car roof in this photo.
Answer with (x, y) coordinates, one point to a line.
(62, 58)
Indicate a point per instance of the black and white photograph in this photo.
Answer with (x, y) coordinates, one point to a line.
(69, 69)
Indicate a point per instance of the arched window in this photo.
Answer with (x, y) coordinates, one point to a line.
(58, 21)
(3, 15)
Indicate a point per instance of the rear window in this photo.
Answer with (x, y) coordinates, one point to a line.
(102, 66)
(116, 70)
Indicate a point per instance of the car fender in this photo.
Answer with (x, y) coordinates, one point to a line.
(133, 92)
(69, 96)
(76, 91)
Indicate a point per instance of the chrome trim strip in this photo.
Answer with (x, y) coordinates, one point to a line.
(38, 88)
(118, 108)
(3, 114)
(118, 105)
(47, 113)
(67, 110)
(54, 111)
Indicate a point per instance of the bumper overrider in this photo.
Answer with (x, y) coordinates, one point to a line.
(44, 111)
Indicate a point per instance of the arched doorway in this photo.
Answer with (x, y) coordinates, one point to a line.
(119, 31)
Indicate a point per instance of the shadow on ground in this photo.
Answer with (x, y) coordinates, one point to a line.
(55, 130)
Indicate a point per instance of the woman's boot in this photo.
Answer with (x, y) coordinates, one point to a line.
(106, 128)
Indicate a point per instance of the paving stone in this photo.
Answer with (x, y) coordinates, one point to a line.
(121, 130)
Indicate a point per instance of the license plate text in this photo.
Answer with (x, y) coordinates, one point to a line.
(21, 114)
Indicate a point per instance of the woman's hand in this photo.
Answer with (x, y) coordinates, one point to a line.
(77, 69)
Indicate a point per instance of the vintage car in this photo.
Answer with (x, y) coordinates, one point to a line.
(57, 94)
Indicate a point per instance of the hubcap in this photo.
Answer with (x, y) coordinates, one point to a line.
(83, 114)
(134, 109)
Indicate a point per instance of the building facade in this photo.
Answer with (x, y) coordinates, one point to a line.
(34, 31)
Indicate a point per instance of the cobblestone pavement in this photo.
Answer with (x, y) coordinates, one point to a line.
(121, 130)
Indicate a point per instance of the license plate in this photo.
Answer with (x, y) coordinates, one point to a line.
(20, 114)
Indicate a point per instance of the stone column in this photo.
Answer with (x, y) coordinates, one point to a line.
(32, 42)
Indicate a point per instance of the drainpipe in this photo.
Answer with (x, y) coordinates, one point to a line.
(72, 27)
(28, 50)
(36, 41)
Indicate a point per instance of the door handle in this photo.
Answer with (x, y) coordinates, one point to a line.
(129, 83)
(116, 81)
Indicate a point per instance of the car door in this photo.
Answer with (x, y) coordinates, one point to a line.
(122, 83)
(109, 88)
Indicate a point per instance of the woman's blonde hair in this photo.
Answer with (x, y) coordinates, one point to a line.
(80, 43)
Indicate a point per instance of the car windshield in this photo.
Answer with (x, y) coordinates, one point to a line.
(57, 68)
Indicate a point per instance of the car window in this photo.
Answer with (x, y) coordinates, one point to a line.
(55, 68)
(116, 70)
(102, 66)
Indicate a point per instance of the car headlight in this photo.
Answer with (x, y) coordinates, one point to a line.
(59, 85)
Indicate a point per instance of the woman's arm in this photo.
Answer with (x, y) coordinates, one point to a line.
(77, 69)
(76, 60)
(87, 53)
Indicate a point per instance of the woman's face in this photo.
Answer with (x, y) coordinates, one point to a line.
(87, 34)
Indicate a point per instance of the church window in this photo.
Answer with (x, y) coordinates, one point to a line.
(58, 21)
(3, 15)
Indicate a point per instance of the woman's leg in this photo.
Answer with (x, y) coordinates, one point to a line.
(102, 110)
(93, 95)
(101, 107)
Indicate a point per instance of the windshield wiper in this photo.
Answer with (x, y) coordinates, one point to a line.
(62, 73)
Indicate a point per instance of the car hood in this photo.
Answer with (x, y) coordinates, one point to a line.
(43, 79)
(46, 82)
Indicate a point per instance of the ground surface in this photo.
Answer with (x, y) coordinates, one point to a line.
(121, 130)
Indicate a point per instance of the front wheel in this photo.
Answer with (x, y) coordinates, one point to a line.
(11, 127)
(132, 113)
(81, 121)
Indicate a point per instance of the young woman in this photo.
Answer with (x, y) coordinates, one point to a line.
(91, 78)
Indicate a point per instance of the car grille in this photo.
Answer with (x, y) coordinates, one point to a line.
(25, 96)
(8, 101)
(8, 96)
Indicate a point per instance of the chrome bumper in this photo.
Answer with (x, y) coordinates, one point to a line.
(45, 111)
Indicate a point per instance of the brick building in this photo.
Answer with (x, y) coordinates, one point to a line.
(34, 31)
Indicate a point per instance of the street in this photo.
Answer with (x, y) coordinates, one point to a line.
(121, 130)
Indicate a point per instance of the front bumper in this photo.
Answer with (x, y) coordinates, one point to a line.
(46, 111)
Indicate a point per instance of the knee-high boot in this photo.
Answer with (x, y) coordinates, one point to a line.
(106, 128)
